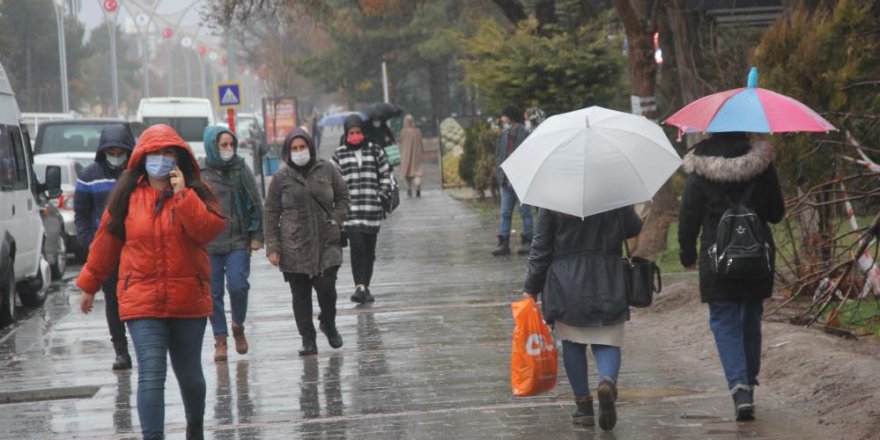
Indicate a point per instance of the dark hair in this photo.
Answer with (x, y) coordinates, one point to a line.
(117, 205)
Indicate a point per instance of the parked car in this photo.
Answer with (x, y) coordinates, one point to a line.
(34, 120)
(20, 218)
(76, 138)
(70, 170)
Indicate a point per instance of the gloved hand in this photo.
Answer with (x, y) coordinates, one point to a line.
(385, 200)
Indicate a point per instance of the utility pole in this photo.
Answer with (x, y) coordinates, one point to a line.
(62, 55)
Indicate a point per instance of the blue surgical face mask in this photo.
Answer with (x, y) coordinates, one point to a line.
(160, 165)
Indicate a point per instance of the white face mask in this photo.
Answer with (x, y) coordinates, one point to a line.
(226, 155)
(377, 124)
(528, 124)
(116, 161)
(505, 126)
(300, 158)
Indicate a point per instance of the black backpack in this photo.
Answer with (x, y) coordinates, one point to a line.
(742, 245)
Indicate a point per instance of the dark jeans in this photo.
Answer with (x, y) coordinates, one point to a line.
(154, 340)
(234, 268)
(737, 329)
(301, 287)
(575, 357)
(508, 202)
(363, 255)
(116, 326)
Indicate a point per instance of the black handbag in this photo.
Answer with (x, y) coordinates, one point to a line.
(642, 279)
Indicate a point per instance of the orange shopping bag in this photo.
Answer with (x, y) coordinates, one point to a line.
(533, 359)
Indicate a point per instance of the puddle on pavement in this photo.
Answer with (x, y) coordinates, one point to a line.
(23, 396)
(639, 394)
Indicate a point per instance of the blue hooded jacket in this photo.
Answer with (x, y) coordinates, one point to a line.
(94, 184)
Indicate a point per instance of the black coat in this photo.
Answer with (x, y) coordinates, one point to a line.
(577, 266)
(719, 172)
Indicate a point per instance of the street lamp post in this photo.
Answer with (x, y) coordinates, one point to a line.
(111, 7)
(143, 23)
(62, 55)
(186, 42)
(168, 33)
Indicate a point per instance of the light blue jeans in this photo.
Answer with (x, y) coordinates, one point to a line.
(154, 340)
(234, 268)
(737, 329)
(508, 201)
(574, 355)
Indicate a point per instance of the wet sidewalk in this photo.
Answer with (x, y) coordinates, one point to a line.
(428, 360)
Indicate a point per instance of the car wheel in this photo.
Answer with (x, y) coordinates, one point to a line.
(32, 292)
(60, 264)
(7, 292)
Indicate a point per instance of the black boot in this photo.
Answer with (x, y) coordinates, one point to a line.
(359, 295)
(607, 409)
(525, 246)
(419, 191)
(195, 431)
(409, 193)
(368, 296)
(743, 402)
(503, 246)
(309, 347)
(333, 336)
(583, 412)
(123, 360)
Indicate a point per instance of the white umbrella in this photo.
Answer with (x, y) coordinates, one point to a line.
(590, 161)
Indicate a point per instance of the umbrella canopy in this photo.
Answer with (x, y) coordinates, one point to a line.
(384, 111)
(590, 161)
(750, 109)
(338, 118)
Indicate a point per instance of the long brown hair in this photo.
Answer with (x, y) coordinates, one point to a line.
(117, 205)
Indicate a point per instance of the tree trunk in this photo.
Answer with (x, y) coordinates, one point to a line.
(640, 28)
(512, 9)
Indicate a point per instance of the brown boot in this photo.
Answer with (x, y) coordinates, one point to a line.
(219, 348)
(241, 345)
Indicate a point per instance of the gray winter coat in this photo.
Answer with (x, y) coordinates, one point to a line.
(577, 265)
(519, 134)
(297, 227)
(233, 237)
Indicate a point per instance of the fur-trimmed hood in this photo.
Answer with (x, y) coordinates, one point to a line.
(718, 168)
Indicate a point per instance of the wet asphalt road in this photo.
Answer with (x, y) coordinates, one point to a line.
(428, 360)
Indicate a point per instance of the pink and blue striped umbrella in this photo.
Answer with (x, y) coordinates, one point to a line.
(750, 109)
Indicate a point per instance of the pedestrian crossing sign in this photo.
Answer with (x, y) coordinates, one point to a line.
(229, 94)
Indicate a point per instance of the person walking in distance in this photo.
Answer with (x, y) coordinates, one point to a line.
(723, 170)
(365, 169)
(93, 187)
(236, 189)
(411, 154)
(159, 220)
(306, 206)
(512, 134)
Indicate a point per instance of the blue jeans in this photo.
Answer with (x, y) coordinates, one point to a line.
(737, 329)
(508, 201)
(154, 340)
(234, 268)
(574, 355)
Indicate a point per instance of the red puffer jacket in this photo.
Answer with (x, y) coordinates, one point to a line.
(164, 271)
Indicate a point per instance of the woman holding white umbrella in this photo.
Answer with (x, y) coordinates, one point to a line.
(576, 264)
(585, 169)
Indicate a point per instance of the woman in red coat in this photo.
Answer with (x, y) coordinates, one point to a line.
(159, 218)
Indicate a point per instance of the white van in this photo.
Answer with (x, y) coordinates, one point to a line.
(33, 120)
(23, 268)
(188, 116)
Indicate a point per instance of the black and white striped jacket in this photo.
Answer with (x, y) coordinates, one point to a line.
(365, 178)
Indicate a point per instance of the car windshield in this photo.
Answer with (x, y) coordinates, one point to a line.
(191, 129)
(69, 138)
(40, 172)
